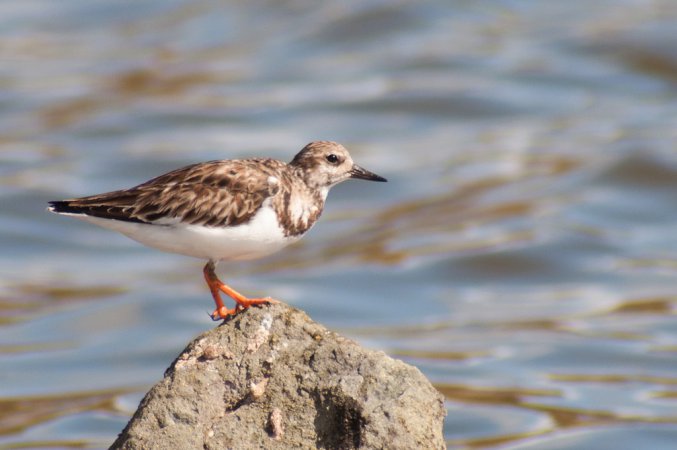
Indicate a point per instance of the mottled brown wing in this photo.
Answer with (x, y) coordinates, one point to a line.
(215, 193)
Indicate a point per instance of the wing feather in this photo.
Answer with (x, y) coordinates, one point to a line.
(215, 193)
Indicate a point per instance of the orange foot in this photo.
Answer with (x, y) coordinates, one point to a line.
(216, 286)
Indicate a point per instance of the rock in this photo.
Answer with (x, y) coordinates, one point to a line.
(271, 378)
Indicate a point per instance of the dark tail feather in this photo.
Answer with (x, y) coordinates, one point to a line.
(102, 211)
(64, 207)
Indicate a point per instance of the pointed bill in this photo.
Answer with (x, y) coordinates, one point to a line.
(363, 174)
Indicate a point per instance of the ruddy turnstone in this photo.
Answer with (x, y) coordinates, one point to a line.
(235, 209)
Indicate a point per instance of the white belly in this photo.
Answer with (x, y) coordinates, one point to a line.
(259, 237)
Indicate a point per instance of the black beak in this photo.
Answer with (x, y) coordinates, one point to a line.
(362, 174)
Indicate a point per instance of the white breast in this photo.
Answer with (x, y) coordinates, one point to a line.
(259, 237)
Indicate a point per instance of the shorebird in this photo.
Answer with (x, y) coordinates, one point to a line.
(237, 209)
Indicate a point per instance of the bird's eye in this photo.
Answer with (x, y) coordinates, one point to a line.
(332, 158)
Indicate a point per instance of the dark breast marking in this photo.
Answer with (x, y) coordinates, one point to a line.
(283, 203)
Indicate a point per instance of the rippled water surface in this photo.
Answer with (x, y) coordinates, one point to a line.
(523, 255)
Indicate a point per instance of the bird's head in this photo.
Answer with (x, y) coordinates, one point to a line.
(322, 164)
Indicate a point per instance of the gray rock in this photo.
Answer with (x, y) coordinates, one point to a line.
(271, 378)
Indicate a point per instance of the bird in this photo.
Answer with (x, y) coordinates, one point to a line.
(224, 210)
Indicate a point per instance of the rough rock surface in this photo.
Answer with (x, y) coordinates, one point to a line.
(271, 378)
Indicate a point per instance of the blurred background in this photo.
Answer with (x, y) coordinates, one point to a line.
(523, 254)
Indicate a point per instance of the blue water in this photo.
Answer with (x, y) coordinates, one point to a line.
(522, 255)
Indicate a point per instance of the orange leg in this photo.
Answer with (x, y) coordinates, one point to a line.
(216, 286)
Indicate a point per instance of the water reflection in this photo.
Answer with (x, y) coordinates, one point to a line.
(523, 254)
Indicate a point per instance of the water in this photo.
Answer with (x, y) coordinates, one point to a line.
(523, 254)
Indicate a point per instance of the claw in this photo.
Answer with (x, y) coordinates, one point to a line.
(222, 313)
(241, 302)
